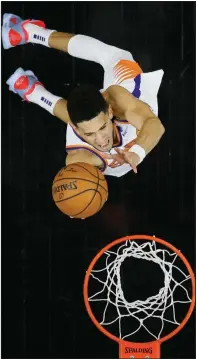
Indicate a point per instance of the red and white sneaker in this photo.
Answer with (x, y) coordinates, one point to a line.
(14, 32)
(23, 82)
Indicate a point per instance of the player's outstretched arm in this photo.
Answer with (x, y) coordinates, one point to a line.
(137, 113)
(81, 155)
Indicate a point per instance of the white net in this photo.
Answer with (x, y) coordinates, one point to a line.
(160, 306)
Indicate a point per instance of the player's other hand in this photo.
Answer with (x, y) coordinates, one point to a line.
(129, 157)
(118, 160)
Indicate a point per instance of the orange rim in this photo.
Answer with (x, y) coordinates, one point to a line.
(131, 238)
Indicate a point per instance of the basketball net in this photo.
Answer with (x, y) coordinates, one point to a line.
(160, 306)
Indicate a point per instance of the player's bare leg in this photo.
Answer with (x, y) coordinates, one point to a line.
(60, 40)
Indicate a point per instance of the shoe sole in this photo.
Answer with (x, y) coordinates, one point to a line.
(6, 19)
(18, 73)
(5, 29)
(12, 79)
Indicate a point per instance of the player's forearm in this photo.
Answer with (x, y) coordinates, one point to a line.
(60, 110)
(150, 134)
(81, 155)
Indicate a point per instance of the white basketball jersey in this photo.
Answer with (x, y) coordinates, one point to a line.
(145, 87)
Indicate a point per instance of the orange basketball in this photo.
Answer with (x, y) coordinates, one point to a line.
(79, 190)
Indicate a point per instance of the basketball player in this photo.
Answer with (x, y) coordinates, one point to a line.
(114, 128)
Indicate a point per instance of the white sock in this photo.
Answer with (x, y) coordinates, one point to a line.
(37, 34)
(43, 98)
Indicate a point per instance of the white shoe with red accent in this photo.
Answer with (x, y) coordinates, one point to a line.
(15, 31)
(23, 83)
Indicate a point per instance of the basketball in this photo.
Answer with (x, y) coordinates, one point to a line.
(79, 190)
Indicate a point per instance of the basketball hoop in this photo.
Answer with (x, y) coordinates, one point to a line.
(131, 317)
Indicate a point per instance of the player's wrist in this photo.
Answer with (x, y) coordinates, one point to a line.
(139, 151)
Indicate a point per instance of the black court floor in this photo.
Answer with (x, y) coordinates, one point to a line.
(44, 253)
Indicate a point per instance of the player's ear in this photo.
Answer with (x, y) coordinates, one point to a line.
(110, 112)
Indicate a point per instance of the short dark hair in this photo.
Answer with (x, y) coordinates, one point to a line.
(84, 103)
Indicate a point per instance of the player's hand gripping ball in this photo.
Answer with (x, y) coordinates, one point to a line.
(79, 190)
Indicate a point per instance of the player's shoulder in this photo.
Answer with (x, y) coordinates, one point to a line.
(117, 93)
(112, 90)
(120, 99)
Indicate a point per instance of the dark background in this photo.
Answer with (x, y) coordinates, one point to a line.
(44, 253)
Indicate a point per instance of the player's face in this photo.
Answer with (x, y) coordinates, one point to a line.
(98, 132)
